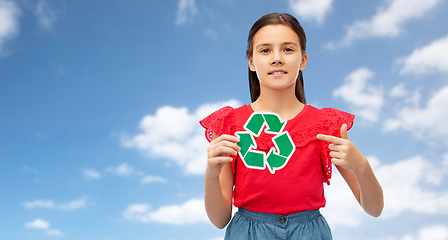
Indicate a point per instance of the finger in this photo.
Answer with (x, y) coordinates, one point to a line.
(344, 134)
(223, 151)
(228, 144)
(335, 154)
(329, 138)
(337, 161)
(333, 147)
(227, 137)
(222, 160)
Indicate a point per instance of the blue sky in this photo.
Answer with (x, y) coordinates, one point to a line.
(100, 103)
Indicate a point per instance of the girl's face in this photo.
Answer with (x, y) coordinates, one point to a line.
(277, 57)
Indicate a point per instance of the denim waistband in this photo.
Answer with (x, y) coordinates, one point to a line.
(299, 217)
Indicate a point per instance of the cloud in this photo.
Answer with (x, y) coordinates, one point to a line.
(44, 225)
(433, 232)
(28, 169)
(365, 99)
(9, 23)
(123, 170)
(186, 11)
(311, 9)
(152, 179)
(54, 232)
(190, 212)
(175, 134)
(405, 187)
(38, 223)
(427, 59)
(40, 204)
(91, 174)
(69, 206)
(388, 21)
(45, 15)
(427, 123)
(211, 33)
(72, 205)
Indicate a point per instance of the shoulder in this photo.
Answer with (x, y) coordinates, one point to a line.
(332, 119)
(222, 121)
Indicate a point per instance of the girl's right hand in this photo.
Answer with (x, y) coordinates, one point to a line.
(219, 153)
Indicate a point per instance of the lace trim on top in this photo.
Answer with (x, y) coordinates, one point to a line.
(331, 121)
(220, 122)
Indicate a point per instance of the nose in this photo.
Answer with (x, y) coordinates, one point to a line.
(276, 59)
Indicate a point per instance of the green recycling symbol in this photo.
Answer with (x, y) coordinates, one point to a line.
(277, 157)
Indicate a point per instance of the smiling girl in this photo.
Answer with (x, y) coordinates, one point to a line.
(272, 157)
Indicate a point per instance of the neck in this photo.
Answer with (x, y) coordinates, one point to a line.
(283, 102)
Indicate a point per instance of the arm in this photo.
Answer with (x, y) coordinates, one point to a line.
(219, 179)
(356, 171)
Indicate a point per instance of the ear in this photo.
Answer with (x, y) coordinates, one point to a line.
(304, 61)
(251, 64)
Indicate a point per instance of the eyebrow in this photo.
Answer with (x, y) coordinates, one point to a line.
(269, 44)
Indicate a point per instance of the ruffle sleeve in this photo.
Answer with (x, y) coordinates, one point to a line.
(331, 121)
(220, 122)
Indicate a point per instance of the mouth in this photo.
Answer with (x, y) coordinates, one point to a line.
(277, 72)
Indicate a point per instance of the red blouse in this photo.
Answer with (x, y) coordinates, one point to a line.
(289, 179)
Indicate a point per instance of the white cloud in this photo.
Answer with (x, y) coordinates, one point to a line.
(54, 232)
(399, 91)
(9, 23)
(69, 206)
(211, 33)
(311, 9)
(424, 123)
(405, 189)
(44, 225)
(72, 205)
(123, 170)
(175, 134)
(427, 59)
(186, 11)
(388, 22)
(403, 185)
(38, 223)
(39, 204)
(365, 99)
(28, 169)
(434, 232)
(91, 174)
(190, 212)
(45, 15)
(152, 179)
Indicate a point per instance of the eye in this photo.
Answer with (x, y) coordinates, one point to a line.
(288, 50)
(265, 50)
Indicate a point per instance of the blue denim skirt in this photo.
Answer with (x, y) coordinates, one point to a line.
(306, 225)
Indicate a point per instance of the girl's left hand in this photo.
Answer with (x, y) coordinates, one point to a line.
(343, 152)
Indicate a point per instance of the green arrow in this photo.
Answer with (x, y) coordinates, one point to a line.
(245, 142)
(275, 161)
(255, 124)
(255, 159)
(273, 122)
(284, 144)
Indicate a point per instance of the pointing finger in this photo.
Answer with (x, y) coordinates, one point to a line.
(329, 138)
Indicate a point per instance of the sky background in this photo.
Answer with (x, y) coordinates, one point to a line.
(100, 103)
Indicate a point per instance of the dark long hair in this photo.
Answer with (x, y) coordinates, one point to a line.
(275, 19)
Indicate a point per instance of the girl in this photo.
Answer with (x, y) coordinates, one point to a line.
(271, 157)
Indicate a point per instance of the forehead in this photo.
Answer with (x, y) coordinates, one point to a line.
(275, 34)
